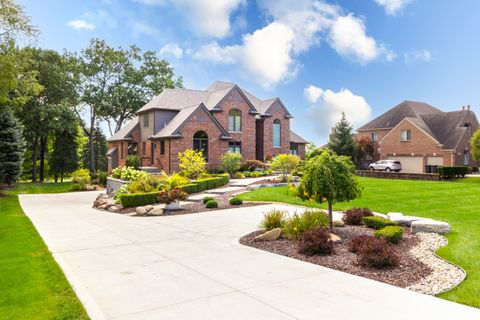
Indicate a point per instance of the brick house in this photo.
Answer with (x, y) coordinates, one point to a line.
(422, 137)
(223, 118)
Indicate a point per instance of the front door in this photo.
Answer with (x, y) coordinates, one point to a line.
(152, 154)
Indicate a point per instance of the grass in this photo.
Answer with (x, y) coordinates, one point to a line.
(457, 203)
(32, 285)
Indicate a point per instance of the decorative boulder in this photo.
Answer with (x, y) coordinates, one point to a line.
(270, 235)
(149, 208)
(156, 212)
(140, 211)
(334, 238)
(404, 220)
(338, 223)
(113, 209)
(431, 226)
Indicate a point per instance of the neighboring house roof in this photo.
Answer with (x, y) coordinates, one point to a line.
(296, 138)
(125, 131)
(447, 128)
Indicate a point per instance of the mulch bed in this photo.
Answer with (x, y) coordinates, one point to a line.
(407, 273)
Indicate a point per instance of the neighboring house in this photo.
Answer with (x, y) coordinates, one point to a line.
(422, 137)
(223, 118)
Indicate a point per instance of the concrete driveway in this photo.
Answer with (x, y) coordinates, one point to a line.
(192, 267)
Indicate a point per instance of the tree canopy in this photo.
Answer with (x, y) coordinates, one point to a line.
(475, 145)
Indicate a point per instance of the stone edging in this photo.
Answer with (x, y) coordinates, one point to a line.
(454, 265)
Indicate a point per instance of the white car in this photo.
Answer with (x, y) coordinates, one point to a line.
(386, 165)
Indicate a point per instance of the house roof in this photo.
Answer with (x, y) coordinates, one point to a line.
(447, 128)
(125, 131)
(296, 138)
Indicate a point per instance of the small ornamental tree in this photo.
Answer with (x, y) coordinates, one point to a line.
(475, 143)
(285, 163)
(11, 147)
(329, 178)
(192, 163)
(231, 162)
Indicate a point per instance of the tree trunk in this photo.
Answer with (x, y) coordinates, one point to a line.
(330, 216)
(61, 177)
(34, 160)
(55, 176)
(91, 140)
(43, 150)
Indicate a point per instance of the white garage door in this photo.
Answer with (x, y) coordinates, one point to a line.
(435, 161)
(410, 164)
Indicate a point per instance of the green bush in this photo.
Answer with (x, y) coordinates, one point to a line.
(138, 199)
(206, 199)
(252, 165)
(273, 219)
(211, 204)
(128, 173)
(285, 163)
(452, 172)
(377, 222)
(190, 188)
(132, 161)
(102, 178)
(230, 162)
(393, 234)
(235, 201)
(81, 177)
(192, 163)
(298, 224)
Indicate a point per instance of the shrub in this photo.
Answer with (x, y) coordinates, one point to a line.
(170, 182)
(192, 163)
(355, 244)
(285, 163)
(298, 224)
(102, 178)
(252, 165)
(206, 199)
(393, 234)
(452, 172)
(355, 216)
(128, 174)
(132, 161)
(377, 253)
(235, 201)
(230, 162)
(145, 184)
(211, 204)
(138, 199)
(190, 188)
(169, 196)
(315, 241)
(273, 219)
(377, 222)
(81, 177)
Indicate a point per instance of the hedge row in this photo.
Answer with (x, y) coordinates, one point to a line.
(206, 183)
(138, 199)
(453, 172)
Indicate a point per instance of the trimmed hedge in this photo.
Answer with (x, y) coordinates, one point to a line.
(213, 182)
(377, 222)
(138, 199)
(393, 234)
(206, 199)
(235, 201)
(211, 204)
(452, 172)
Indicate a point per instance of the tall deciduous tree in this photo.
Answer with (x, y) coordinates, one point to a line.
(341, 140)
(475, 145)
(14, 22)
(329, 178)
(11, 147)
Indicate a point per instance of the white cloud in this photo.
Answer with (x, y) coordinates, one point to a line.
(81, 25)
(171, 49)
(392, 7)
(330, 106)
(349, 39)
(417, 55)
(208, 17)
(100, 17)
(143, 27)
(214, 53)
(313, 93)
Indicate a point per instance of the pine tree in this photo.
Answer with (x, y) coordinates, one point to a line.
(64, 157)
(11, 147)
(100, 147)
(341, 141)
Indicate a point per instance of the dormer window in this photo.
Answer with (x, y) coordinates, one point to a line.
(146, 120)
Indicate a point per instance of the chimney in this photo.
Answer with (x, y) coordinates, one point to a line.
(463, 108)
(468, 107)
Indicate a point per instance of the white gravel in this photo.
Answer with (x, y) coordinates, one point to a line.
(445, 275)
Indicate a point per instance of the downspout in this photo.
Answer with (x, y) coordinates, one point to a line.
(169, 155)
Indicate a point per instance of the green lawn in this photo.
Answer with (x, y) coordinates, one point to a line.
(457, 203)
(32, 285)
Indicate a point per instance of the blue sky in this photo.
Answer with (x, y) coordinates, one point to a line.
(320, 57)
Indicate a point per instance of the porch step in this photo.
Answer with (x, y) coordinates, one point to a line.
(152, 170)
(224, 190)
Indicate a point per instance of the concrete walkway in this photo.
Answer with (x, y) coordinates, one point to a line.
(192, 267)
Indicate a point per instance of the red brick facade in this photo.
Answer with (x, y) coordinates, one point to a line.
(269, 151)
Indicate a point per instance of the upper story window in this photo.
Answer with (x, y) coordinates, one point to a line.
(146, 120)
(276, 133)
(235, 120)
(374, 136)
(294, 148)
(406, 135)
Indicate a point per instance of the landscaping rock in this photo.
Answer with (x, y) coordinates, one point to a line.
(334, 238)
(156, 212)
(149, 208)
(430, 226)
(90, 188)
(141, 211)
(338, 223)
(270, 235)
(113, 209)
(103, 206)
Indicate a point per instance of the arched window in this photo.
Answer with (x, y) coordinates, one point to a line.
(276, 133)
(200, 142)
(235, 120)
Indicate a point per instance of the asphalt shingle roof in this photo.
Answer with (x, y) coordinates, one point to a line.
(125, 131)
(296, 138)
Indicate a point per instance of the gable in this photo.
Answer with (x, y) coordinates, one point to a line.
(234, 95)
(201, 117)
(277, 107)
(418, 135)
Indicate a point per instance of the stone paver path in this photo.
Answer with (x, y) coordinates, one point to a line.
(192, 267)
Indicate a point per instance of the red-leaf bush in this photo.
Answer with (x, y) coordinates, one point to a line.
(315, 241)
(252, 165)
(172, 195)
(355, 244)
(355, 216)
(377, 253)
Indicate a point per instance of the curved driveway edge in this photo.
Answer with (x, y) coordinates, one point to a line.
(192, 267)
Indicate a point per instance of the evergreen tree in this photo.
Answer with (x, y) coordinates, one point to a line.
(341, 140)
(100, 148)
(11, 147)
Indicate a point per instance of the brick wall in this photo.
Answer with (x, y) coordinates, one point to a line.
(301, 150)
(277, 112)
(234, 100)
(381, 133)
